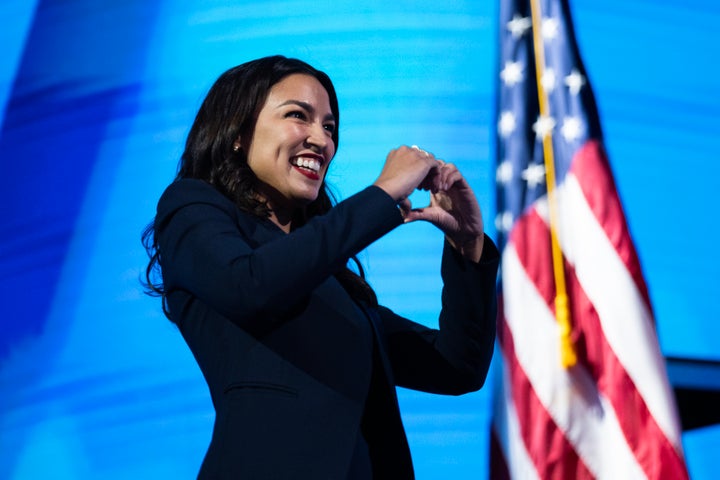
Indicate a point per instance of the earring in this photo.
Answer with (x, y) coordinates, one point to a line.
(236, 148)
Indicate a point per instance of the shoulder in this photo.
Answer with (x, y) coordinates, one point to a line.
(191, 192)
(188, 191)
(198, 199)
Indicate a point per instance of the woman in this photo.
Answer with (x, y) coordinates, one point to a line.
(300, 359)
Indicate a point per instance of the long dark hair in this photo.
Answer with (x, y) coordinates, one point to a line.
(228, 113)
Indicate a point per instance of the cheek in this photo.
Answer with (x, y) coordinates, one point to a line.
(264, 153)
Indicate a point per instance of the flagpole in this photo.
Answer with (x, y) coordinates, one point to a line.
(568, 356)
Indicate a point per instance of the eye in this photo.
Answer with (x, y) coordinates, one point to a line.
(298, 114)
(329, 127)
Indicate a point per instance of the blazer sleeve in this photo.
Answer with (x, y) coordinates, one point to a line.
(454, 358)
(209, 248)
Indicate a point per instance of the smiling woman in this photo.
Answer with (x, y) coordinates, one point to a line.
(300, 359)
(292, 145)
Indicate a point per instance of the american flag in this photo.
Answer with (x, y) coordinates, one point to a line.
(582, 391)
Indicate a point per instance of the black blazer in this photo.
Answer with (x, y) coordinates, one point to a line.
(295, 367)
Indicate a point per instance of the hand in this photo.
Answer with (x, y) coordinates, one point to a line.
(454, 210)
(405, 169)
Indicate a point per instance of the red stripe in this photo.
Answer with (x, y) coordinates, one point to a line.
(592, 170)
(656, 455)
(549, 450)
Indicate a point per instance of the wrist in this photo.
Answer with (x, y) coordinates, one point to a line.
(470, 248)
(390, 189)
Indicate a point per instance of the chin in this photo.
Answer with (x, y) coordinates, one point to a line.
(305, 198)
(304, 202)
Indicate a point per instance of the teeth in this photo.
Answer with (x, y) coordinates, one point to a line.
(309, 163)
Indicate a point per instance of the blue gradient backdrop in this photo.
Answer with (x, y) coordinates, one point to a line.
(97, 97)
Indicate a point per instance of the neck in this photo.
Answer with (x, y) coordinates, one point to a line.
(284, 221)
(281, 212)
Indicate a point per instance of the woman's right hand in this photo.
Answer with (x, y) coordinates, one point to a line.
(405, 169)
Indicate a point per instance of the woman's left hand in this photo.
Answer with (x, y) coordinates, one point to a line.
(453, 209)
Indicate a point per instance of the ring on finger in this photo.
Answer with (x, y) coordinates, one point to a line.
(420, 150)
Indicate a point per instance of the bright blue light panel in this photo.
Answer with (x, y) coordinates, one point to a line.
(97, 98)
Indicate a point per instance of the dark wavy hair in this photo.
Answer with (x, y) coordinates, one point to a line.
(228, 113)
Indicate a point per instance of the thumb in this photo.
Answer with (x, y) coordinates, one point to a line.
(405, 207)
(427, 214)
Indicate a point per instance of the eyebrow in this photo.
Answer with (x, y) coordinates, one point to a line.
(307, 107)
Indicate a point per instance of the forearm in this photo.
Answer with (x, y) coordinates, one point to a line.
(241, 273)
(455, 358)
(469, 308)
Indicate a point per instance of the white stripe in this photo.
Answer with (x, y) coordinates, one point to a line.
(625, 318)
(507, 429)
(569, 395)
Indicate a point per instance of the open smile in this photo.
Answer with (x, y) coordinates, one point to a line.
(308, 164)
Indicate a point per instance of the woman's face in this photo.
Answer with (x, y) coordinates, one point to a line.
(292, 143)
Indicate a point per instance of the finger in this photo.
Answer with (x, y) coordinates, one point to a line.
(452, 178)
(448, 174)
(416, 214)
(405, 207)
(437, 216)
(441, 174)
(431, 181)
(418, 149)
(423, 153)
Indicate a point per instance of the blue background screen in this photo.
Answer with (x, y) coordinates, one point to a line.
(96, 99)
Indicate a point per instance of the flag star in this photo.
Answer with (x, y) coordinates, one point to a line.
(504, 172)
(572, 128)
(575, 81)
(548, 79)
(549, 28)
(504, 221)
(534, 175)
(507, 123)
(543, 126)
(512, 73)
(519, 25)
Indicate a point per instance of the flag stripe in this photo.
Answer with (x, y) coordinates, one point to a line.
(650, 427)
(592, 172)
(640, 428)
(626, 322)
(547, 447)
(570, 395)
(507, 437)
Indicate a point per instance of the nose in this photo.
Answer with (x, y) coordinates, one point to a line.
(317, 136)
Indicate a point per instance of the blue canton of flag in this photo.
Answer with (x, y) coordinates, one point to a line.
(572, 118)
